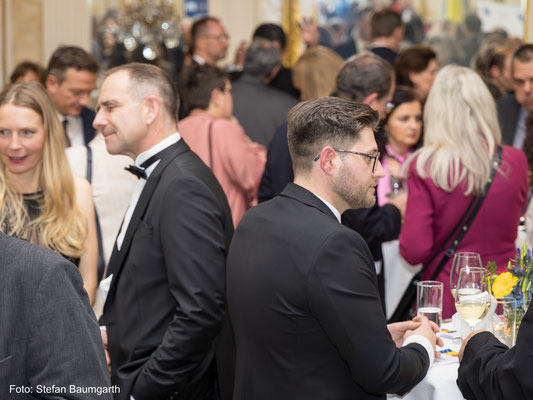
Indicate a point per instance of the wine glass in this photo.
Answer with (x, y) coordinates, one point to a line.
(462, 260)
(472, 299)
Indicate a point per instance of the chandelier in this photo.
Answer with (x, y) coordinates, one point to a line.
(149, 23)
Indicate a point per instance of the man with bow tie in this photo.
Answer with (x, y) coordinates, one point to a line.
(165, 306)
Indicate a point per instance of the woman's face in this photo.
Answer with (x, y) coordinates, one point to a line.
(22, 138)
(404, 125)
(423, 80)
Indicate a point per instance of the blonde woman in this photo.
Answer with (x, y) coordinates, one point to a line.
(40, 200)
(461, 134)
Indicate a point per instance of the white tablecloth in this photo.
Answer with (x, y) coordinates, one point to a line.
(440, 381)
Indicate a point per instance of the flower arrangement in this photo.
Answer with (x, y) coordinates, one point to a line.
(516, 281)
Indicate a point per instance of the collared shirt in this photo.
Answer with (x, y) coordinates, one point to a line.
(198, 59)
(520, 132)
(331, 207)
(74, 129)
(137, 190)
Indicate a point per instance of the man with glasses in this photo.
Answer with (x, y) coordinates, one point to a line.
(71, 77)
(301, 287)
(209, 40)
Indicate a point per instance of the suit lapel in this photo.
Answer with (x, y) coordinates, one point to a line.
(117, 259)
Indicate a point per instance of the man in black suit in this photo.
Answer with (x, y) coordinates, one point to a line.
(490, 370)
(50, 344)
(386, 30)
(165, 306)
(513, 108)
(302, 289)
(70, 79)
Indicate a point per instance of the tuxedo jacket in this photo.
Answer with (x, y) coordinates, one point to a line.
(508, 114)
(303, 300)
(166, 302)
(489, 370)
(87, 117)
(48, 332)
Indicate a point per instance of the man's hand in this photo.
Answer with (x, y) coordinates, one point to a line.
(397, 330)
(465, 342)
(309, 32)
(103, 332)
(428, 329)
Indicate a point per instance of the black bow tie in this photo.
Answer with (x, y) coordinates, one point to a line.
(140, 172)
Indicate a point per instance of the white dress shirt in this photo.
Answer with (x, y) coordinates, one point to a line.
(74, 129)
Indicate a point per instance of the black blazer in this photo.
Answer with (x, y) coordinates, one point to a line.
(490, 370)
(166, 302)
(87, 117)
(508, 114)
(303, 299)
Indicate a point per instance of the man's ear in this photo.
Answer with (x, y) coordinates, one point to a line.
(214, 99)
(51, 83)
(371, 99)
(152, 108)
(327, 160)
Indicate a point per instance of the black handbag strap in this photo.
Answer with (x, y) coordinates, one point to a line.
(470, 214)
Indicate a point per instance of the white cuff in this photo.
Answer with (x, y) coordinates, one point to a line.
(424, 342)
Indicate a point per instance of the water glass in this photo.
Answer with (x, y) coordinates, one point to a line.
(504, 321)
(429, 300)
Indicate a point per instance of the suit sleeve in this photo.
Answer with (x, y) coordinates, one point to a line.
(65, 346)
(376, 224)
(343, 295)
(192, 239)
(489, 370)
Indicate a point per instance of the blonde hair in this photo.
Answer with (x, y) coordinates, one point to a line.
(61, 226)
(315, 72)
(461, 131)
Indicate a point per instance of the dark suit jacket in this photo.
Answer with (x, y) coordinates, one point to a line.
(489, 370)
(166, 303)
(385, 53)
(303, 299)
(48, 332)
(508, 113)
(87, 117)
(260, 109)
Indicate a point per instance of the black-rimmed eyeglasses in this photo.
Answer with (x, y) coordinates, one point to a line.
(375, 157)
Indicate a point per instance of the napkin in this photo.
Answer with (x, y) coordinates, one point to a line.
(486, 323)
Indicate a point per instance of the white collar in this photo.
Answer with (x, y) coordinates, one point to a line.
(162, 145)
(331, 207)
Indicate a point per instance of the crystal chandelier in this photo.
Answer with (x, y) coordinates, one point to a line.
(149, 23)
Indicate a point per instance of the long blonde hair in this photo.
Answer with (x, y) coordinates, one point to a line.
(461, 131)
(61, 226)
(315, 72)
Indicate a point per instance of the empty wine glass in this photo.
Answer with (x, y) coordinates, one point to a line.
(472, 299)
(462, 260)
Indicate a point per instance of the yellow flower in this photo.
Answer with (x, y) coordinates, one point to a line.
(503, 284)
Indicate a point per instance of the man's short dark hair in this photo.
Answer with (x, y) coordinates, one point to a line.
(271, 32)
(198, 82)
(199, 28)
(145, 76)
(261, 58)
(524, 53)
(22, 69)
(362, 75)
(325, 121)
(473, 23)
(66, 57)
(384, 22)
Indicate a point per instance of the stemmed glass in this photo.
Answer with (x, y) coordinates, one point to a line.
(462, 260)
(472, 299)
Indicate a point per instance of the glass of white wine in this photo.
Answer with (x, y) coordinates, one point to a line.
(462, 260)
(472, 298)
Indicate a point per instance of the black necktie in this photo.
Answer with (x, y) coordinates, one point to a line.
(65, 130)
(140, 172)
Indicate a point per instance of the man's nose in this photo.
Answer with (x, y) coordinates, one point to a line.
(83, 100)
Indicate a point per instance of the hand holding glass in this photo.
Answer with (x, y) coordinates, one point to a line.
(429, 300)
(472, 299)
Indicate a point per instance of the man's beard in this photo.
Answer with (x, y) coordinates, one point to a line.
(347, 188)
